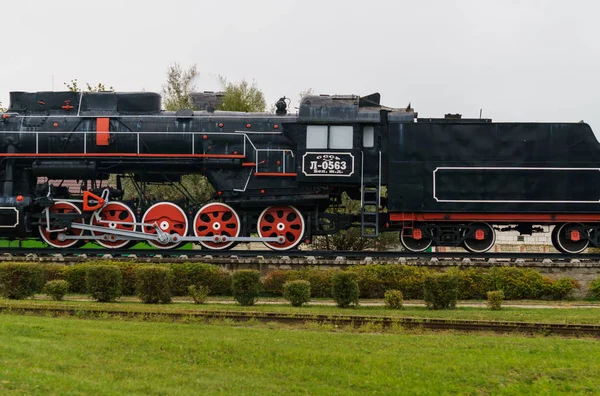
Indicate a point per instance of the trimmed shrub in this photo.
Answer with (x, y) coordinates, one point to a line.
(153, 284)
(246, 286)
(297, 292)
(215, 278)
(473, 282)
(594, 289)
(274, 281)
(20, 280)
(345, 289)
(393, 299)
(559, 289)
(129, 271)
(494, 300)
(75, 275)
(56, 289)
(375, 279)
(440, 291)
(53, 272)
(517, 283)
(104, 283)
(320, 280)
(198, 293)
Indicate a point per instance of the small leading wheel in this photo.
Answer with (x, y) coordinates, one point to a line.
(217, 220)
(171, 220)
(286, 221)
(52, 237)
(554, 239)
(415, 240)
(479, 237)
(113, 216)
(571, 238)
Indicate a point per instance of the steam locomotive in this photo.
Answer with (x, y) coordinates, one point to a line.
(277, 176)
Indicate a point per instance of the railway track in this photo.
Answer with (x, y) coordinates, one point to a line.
(295, 256)
(531, 328)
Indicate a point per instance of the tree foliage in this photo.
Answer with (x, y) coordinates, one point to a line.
(242, 96)
(351, 239)
(73, 86)
(2, 109)
(176, 91)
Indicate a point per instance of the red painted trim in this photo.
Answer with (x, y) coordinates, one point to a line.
(248, 163)
(497, 217)
(27, 155)
(102, 134)
(274, 174)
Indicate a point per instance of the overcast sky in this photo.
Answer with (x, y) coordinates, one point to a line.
(518, 60)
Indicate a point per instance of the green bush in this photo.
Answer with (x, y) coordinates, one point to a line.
(320, 280)
(559, 289)
(75, 275)
(153, 284)
(594, 289)
(440, 291)
(104, 282)
(56, 289)
(53, 272)
(393, 299)
(297, 292)
(517, 283)
(198, 293)
(494, 300)
(375, 279)
(345, 289)
(473, 282)
(274, 281)
(246, 286)
(215, 278)
(129, 271)
(20, 280)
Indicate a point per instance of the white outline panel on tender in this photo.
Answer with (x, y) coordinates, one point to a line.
(16, 210)
(327, 152)
(507, 168)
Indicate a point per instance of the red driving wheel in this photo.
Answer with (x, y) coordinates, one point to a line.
(115, 216)
(51, 238)
(170, 218)
(286, 221)
(216, 219)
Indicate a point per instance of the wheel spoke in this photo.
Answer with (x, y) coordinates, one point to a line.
(117, 214)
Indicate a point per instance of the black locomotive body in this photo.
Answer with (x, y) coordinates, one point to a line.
(449, 181)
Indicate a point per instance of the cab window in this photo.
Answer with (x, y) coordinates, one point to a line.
(329, 137)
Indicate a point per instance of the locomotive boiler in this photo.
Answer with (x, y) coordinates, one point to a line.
(447, 181)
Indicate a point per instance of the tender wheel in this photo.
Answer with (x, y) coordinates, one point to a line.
(52, 238)
(115, 216)
(414, 240)
(217, 219)
(170, 218)
(554, 239)
(286, 221)
(570, 238)
(480, 237)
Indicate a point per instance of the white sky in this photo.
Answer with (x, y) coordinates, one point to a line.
(518, 60)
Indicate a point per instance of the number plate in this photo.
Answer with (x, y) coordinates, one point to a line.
(328, 164)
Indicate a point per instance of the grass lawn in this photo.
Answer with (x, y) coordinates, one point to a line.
(72, 356)
(548, 315)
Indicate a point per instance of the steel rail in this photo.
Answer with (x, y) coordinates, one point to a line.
(337, 320)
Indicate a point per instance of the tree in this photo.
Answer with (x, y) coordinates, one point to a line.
(176, 91)
(2, 109)
(242, 96)
(73, 86)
